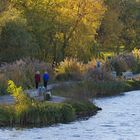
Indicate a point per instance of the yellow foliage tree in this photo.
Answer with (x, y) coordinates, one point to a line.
(21, 99)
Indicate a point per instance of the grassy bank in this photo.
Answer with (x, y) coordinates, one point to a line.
(43, 114)
(132, 85)
(90, 89)
(83, 108)
(28, 112)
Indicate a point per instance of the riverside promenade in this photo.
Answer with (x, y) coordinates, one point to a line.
(33, 93)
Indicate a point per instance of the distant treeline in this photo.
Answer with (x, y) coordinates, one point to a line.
(51, 30)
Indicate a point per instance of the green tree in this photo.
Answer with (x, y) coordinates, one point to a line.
(63, 28)
(120, 26)
(15, 38)
(52, 30)
(130, 18)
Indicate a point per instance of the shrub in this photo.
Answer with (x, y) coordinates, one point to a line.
(136, 54)
(93, 73)
(90, 65)
(97, 75)
(69, 69)
(22, 102)
(123, 63)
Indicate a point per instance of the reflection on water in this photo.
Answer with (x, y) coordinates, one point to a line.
(119, 120)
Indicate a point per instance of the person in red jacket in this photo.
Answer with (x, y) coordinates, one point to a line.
(37, 79)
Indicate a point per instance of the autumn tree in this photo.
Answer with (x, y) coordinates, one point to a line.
(120, 26)
(62, 27)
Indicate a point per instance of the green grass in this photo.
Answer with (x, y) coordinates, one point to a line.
(132, 85)
(90, 89)
(45, 113)
(83, 108)
(37, 115)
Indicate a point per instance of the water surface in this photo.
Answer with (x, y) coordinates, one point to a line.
(119, 120)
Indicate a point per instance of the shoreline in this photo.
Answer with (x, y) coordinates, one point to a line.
(51, 114)
(65, 112)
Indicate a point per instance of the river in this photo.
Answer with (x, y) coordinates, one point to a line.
(119, 120)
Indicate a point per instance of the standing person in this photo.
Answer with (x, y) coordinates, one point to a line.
(98, 65)
(45, 79)
(37, 79)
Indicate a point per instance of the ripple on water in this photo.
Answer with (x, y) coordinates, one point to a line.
(119, 120)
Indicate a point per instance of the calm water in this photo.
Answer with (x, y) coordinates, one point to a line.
(119, 120)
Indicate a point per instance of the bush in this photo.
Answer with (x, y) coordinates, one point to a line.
(97, 75)
(90, 65)
(123, 62)
(136, 54)
(69, 69)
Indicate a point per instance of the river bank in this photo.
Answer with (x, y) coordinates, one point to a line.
(47, 113)
(119, 120)
(95, 89)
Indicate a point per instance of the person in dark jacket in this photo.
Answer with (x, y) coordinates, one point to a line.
(37, 79)
(45, 79)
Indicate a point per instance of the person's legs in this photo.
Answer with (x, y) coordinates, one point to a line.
(36, 84)
(45, 84)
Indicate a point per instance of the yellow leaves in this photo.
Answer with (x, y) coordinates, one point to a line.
(59, 36)
(50, 20)
(136, 53)
(22, 101)
(11, 15)
(82, 8)
(70, 65)
(17, 93)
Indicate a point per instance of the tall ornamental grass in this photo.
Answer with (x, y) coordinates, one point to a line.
(22, 72)
(136, 54)
(69, 69)
(72, 69)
